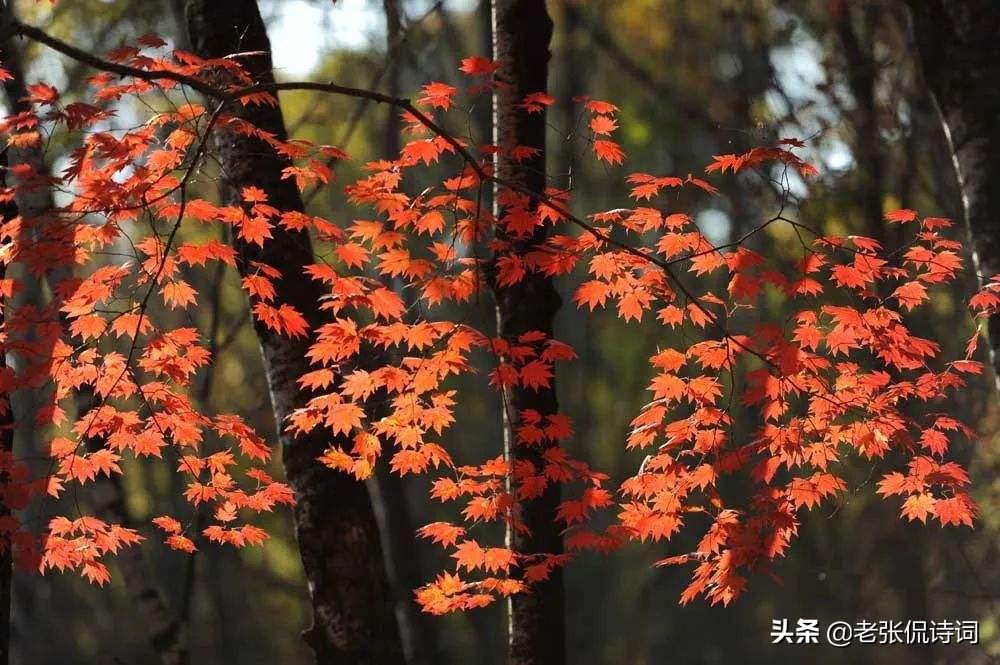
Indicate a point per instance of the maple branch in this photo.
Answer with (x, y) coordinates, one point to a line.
(402, 103)
(238, 94)
(18, 27)
(153, 75)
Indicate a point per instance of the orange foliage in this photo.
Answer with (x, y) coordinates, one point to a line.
(837, 376)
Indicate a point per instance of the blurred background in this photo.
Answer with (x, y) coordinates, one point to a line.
(692, 79)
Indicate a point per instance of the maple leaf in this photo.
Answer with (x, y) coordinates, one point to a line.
(197, 493)
(497, 559)
(523, 153)
(699, 315)
(385, 304)
(934, 441)
(442, 533)
(42, 93)
(253, 535)
(168, 524)
(253, 194)
(470, 555)
(178, 293)
(671, 315)
(668, 386)
(632, 305)
(911, 294)
(352, 254)
(89, 326)
(536, 375)
(900, 216)
(703, 476)
(259, 286)
(438, 95)
(284, 319)
(477, 65)
(151, 40)
(536, 102)
(424, 150)
(254, 229)
(608, 151)
(130, 325)
(959, 509)
(409, 461)
(810, 491)
(603, 124)
(181, 543)
(849, 276)
(894, 483)
(96, 572)
(148, 443)
(918, 507)
(598, 106)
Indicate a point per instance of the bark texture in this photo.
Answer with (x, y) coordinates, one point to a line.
(522, 31)
(338, 538)
(960, 53)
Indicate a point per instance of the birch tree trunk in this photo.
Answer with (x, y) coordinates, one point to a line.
(960, 52)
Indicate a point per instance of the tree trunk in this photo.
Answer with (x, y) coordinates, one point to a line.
(165, 634)
(572, 82)
(392, 508)
(338, 538)
(861, 70)
(521, 33)
(958, 47)
(7, 211)
(393, 69)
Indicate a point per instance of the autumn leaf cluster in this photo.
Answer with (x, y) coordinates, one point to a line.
(833, 372)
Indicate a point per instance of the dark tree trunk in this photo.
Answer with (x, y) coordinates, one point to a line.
(960, 52)
(338, 538)
(522, 30)
(861, 70)
(7, 211)
(393, 69)
(14, 90)
(483, 109)
(393, 510)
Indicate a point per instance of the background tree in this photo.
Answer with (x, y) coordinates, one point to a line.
(959, 58)
(352, 617)
(522, 30)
